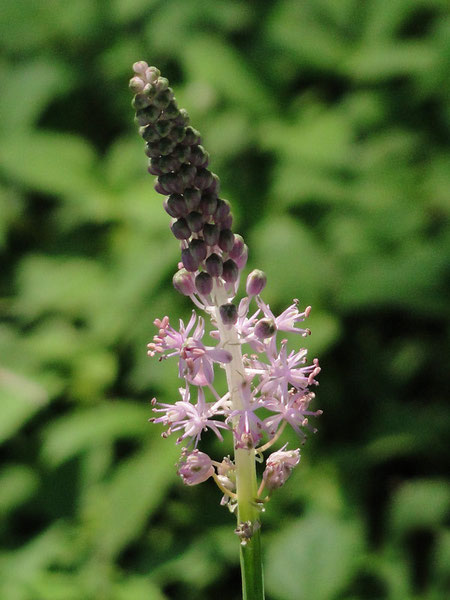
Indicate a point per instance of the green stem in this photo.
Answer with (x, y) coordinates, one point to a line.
(246, 483)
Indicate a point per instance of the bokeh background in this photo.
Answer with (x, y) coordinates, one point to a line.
(328, 123)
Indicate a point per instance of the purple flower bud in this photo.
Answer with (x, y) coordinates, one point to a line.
(214, 187)
(256, 282)
(198, 249)
(188, 173)
(214, 265)
(181, 153)
(166, 146)
(177, 134)
(204, 283)
(152, 149)
(172, 183)
(211, 233)
(226, 240)
(153, 167)
(140, 101)
(192, 197)
(184, 282)
(230, 271)
(163, 98)
(227, 223)
(171, 111)
(241, 261)
(208, 203)
(195, 468)
(189, 261)
(279, 466)
(265, 328)
(140, 67)
(163, 127)
(222, 211)
(237, 248)
(183, 118)
(228, 313)
(195, 221)
(192, 136)
(180, 229)
(175, 206)
(149, 133)
(168, 163)
(199, 157)
(148, 115)
(203, 178)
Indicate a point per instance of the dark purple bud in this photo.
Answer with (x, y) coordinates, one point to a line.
(152, 149)
(162, 99)
(238, 246)
(153, 167)
(230, 271)
(149, 133)
(195, 221)
(177, 134)
(163, 127)
(140, 101)
(171, 111)
(214, 187)
(226, 240)
(208, 203)
(214, 265)
(166, 146)
(183, 118)
(203, 178)
(192, 136)
(181, 153)
(228, 314)
(175, 206)
(198, 249)
(227, 222)
(222, 210)
(188, 174)
(190, 262)
(184, 282)
(199, 157)
(265, 328)
(192, 197)
(256, 282)
(204, 283)
(180, 229)
(211, 234)
(172, 183)
(168, 163)
(148, 115)
(241, 260)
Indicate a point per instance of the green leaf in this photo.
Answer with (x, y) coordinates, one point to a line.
(75, 433)
(17, 484)
(420, 504)
(21, 399)
(49, 162)
(313, 558)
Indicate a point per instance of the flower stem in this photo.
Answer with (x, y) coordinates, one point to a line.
(246, 484)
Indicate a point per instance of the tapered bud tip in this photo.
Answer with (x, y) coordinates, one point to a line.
(204, 283)
(256, 282)
(195, 468)
(228, 314)
(230, 271)
(140, 67)
(183, 281)
(214, 265)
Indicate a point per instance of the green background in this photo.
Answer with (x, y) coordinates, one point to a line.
(328, 123)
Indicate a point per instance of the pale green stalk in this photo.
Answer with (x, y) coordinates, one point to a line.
(246, 484)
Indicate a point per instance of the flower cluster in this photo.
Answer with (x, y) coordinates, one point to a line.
(269, 386)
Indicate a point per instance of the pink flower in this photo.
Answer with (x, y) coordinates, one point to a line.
(196, 359)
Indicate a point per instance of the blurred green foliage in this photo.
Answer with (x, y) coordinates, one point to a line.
(328, 123)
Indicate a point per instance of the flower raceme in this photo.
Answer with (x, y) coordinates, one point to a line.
(267, 389)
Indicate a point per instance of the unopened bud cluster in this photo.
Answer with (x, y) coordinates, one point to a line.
(201, 220)
(272, 384)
